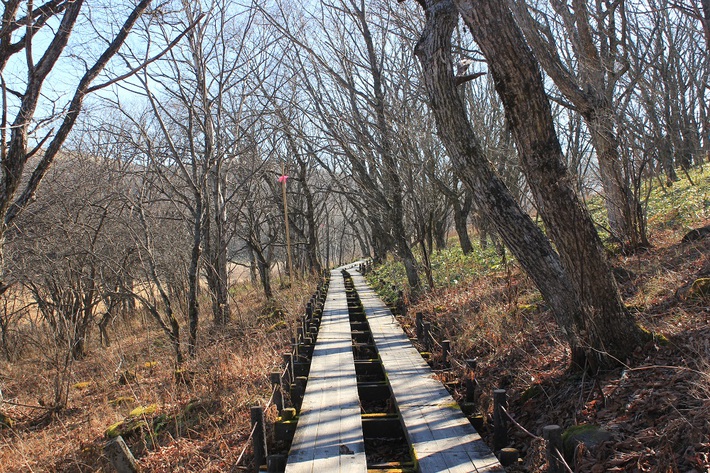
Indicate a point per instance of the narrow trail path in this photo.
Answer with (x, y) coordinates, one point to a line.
(441, 437)
(330, 411)
(371, 403)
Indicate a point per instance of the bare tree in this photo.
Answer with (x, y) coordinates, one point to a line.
(23, 98)
(588, 79)
(341, 76)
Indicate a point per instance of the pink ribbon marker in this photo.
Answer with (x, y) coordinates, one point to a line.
(282, 179)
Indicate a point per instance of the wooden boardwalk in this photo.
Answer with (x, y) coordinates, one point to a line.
(329, 433)
(441, 437)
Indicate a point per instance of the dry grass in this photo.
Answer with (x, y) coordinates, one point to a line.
(657, 407)
(201, 425)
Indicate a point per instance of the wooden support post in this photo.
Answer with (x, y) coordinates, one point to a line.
(419, 324)
(297, 392)
(445, 350)
(401, 308)
(276, 463)
(288, 364)
(259, 438)
(120, 456)
(500, 420)
(275, 378)
(309, 310)
(553, 437)
(294, 348)
(426, 335)
(508, 456)
(299, 335)
(470, 382)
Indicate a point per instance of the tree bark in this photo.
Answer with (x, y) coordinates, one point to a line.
(578, 285)
(216, 250)
(606, 327)
(193, 276)
(492, 198)
(264, 270)
(461, 212)
(314, 266)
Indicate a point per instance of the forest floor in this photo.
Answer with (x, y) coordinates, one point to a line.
(655, 406)
(194, 420)
(653, 412)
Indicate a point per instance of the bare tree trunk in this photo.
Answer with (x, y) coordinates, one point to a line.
(264, 272)
(217, 275)
(492, 198)
(393, 184)
(461, 212)
(600, 327)
(606, 327)
(193, 276)
(312, 262)
(252, 265)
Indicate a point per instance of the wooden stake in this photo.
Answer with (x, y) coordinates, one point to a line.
(500, 424)
(259, 438)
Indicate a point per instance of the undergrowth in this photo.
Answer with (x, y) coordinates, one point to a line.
(656, 409)
(195, 418)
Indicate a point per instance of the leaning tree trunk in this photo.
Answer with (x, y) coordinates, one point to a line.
(606, 331)
(590, 91)
(527, 242)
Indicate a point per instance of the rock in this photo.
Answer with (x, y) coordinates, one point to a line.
(696, 234)
(590, 435)
(120, 456)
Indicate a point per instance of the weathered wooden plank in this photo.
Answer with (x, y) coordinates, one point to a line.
(329, 432)
(442, 439)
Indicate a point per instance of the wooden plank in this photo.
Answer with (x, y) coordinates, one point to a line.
(442, 439)
(330, 425)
